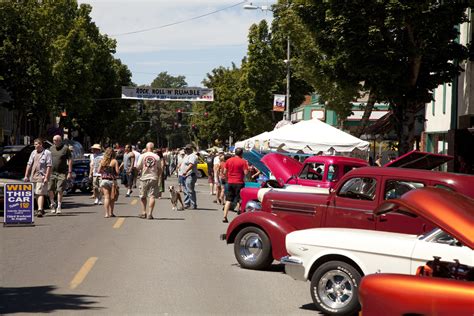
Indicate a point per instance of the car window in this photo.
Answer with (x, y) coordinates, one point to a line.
(332, 172)
(394, 189)
(359, 189)
(312, 171)
(445, 238)
(349, 168)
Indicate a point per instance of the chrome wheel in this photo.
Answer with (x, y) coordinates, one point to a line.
(335, 289)
(250, 247)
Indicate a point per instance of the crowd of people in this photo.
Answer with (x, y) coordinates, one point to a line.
(147, 170)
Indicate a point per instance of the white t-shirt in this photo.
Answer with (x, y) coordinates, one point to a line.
(150, 166)
(137, 157)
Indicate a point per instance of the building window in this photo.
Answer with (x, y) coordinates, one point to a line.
(433, 107)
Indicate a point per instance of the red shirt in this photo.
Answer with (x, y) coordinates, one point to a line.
(236, 168)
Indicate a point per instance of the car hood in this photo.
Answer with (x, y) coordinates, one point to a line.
(419, 160)
(450, 211)
(282, 167)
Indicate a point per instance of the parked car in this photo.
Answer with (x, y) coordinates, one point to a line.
(444, 285)
(320, 172)
(335, 259)
(259, 236)
(202, 167)
(80, 177)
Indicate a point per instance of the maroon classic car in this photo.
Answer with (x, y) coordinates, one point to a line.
(259, 236)
(316, 171)
(440, 287)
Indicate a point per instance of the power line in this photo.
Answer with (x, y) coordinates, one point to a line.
(179, 22)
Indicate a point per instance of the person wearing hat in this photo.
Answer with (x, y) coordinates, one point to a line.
(94, 172)
(190, 177)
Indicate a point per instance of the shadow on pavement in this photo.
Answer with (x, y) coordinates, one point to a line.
(309, 307)
(168, 219)
(207, 209)
(40, 299)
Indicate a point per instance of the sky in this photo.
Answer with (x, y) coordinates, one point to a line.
(191, 49)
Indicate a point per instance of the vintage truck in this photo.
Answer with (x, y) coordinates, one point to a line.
(259, 236)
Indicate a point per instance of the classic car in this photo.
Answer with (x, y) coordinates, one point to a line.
(444, 285)
(202, 167)
(335, 259)
(259, 236)
(80, 177)
(320, 172)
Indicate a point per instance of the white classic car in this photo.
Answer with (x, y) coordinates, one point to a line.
(335, 259)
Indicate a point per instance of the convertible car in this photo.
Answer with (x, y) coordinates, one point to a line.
(336, 259)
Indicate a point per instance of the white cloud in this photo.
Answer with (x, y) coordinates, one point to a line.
(218, 33)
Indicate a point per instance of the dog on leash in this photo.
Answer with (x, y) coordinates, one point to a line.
(175, 198)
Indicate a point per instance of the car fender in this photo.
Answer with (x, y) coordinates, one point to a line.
(330, 254)
(273, 226)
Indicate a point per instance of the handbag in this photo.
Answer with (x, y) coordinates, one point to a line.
(115, 191)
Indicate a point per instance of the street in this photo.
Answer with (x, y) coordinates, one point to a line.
(175, 264)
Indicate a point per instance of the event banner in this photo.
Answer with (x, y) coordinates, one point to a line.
(279, 101)
(19, 203)
(168, 94)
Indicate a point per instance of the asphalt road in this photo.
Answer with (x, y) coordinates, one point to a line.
(81, 262)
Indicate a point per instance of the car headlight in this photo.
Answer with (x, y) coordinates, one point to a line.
(253, 206)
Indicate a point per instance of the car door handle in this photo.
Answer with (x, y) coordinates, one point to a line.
(370, 216)
(383, 218)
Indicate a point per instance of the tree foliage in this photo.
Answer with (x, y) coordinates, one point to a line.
(53, 58)
(400, 50)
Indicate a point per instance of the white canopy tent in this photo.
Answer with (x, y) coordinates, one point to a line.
(311, 136)
(314, 136)
(253, 142)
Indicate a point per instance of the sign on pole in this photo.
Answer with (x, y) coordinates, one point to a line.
(18, 204)
(168, 94)
(279, 102)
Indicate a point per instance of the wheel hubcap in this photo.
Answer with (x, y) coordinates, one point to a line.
(250, 247)
(335, 289)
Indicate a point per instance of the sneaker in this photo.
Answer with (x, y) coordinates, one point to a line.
(127, 195)
(187, 206)
(100, 202)
(53, 208)
(39, 213)
(58, 210)
(96, 201)
(142, 216)
(225, 220)
(149, 216)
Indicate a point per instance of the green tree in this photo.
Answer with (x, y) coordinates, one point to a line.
(224, 115)
(399, 50)
(163, 113)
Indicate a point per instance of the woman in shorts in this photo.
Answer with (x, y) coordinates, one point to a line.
(109, 170)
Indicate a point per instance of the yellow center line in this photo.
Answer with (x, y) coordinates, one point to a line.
(119, 222)
(134, 201)
(81, 275)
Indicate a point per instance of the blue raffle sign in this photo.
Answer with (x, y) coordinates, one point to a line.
(19, 203)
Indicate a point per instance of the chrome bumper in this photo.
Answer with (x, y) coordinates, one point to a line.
(293, 267)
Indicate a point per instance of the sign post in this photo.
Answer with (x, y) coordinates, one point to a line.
(19, 204)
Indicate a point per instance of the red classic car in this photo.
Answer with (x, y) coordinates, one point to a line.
(316, 171)
(448, 289)
(259, 237)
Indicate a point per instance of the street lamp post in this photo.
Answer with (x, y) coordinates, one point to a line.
(287, 60)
